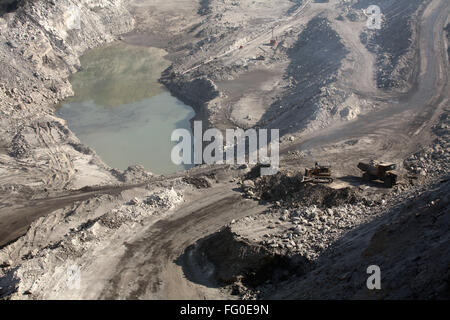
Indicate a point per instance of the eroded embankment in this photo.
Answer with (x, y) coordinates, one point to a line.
(40, 45)
(87, 235)
(395, 43)
(196, 93)
(238, 261)
(314, 61)
(409, 243)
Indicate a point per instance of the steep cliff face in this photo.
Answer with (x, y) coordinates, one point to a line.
(40, 42)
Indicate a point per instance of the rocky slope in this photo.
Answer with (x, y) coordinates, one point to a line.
(40, 43)
(314, 238)
(89, 235)
(277, 88)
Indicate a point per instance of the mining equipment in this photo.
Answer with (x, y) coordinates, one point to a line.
(318, 174)
(379, 171)
(273, 40)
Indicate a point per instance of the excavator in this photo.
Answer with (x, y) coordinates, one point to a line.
(379, 171)
(318, 174)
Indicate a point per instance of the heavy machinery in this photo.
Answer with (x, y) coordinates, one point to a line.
(273, 40)
(318, 174)
(379, 171)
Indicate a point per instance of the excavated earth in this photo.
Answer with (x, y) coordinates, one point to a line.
(338, 91)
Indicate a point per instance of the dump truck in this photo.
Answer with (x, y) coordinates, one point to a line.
(318, 174)
(273, 40)
(382, 171)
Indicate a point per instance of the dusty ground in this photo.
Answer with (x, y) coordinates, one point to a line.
(339, 93)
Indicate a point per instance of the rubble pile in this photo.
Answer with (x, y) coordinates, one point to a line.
(41, 269)
(288, 189)
(434, 160)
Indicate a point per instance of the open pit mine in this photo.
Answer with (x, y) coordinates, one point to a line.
(353, 204)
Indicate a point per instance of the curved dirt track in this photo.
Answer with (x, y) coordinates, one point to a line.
(17, 215)
(400, 126)
(150, 268)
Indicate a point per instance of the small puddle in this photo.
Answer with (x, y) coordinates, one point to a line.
(121, 111)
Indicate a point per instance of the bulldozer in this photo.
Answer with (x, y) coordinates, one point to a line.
(318, 174)
(379, 171)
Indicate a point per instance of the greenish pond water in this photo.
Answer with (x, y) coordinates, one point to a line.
(121, 111)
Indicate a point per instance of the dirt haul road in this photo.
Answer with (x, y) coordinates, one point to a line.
(152, 268)
(17, 215)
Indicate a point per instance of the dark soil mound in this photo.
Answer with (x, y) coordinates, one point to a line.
(290, 189)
